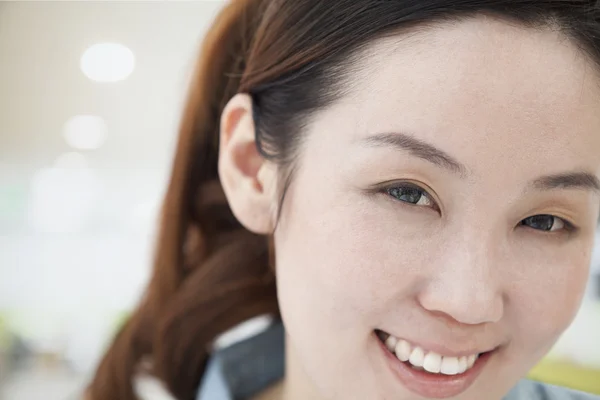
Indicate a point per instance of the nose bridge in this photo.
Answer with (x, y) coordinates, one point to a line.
(465, 284)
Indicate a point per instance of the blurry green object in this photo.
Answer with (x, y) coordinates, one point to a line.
(5, 347)
(121, 320)
(563, 373)
(5, 335)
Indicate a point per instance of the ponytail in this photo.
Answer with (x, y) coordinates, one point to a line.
(210, 274)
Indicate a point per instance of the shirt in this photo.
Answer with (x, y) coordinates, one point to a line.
(248, 367)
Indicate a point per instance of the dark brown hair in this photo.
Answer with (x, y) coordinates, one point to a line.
(293, 57)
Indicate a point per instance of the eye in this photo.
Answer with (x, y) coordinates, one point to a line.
(410, 194)
(545, 223)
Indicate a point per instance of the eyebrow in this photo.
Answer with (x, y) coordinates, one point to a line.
(571, 180)
(417, 148)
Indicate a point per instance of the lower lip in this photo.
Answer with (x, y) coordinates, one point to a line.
(437, 386)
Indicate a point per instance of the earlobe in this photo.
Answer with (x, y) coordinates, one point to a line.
(247, 178)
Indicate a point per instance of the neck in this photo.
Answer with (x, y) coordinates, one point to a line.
(296, 385)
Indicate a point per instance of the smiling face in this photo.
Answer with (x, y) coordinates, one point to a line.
(448, 201)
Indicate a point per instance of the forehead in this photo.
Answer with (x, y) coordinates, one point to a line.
(484, 90)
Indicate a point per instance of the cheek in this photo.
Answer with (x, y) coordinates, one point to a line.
(545, 296)
(345, 264)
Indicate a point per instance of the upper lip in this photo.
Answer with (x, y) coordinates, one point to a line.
(445, 349)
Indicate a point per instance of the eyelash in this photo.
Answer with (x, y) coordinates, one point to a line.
(568, 227)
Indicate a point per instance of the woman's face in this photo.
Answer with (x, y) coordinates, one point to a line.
(449, 201)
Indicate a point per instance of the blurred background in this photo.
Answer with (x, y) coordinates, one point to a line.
(90, 99)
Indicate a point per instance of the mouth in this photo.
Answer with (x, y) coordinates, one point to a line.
(430, 374)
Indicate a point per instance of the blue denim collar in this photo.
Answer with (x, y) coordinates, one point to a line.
(246, 368)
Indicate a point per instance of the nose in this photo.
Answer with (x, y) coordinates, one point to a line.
(464, 286)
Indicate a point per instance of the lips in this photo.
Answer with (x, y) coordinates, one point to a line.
(428, 373)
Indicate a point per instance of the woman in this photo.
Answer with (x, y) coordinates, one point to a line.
(412, 186)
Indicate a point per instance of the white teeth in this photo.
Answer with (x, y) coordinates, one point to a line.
(462, 365)
(403, 350)
(449, 366)
(432, 362)
(390, 343)
(471, 360)
(417, 357)
(429, 361)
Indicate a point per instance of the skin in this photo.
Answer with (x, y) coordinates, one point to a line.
(511, 105)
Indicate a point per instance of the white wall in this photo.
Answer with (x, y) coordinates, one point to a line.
(71, 262)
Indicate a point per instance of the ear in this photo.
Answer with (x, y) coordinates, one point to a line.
(248, 179)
